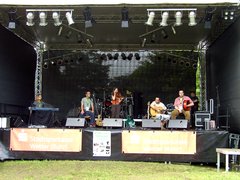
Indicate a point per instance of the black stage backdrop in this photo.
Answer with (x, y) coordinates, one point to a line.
(17, 71)
(223, 74)
(65, 79)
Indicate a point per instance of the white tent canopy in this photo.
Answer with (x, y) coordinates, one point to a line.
(77, 2)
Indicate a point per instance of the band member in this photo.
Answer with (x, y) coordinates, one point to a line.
(38, 101)
(116, 100)
(157, 109)
(87, 108)
(182, 105)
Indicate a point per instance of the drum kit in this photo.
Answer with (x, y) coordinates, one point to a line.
(103, 106)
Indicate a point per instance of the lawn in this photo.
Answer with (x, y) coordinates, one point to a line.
(109, 170)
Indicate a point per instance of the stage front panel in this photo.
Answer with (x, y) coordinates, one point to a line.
(159, 142)
(58, 140)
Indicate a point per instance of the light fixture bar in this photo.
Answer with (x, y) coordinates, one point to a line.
(172, 9)
(47, 10)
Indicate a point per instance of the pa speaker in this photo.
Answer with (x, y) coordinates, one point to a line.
(178, 124)
(75, 122)
(151, 123)
(112, 122)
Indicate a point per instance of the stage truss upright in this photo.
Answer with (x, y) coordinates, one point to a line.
(38, 72)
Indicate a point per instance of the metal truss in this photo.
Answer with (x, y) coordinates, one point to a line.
(38, 72)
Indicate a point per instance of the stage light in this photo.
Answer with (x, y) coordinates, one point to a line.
(143, 42)
(79, 38)
(164, 19)
(103, 57)
(151, 16)
(110, 57)
(130, 56)
(187, 64)
(53, 63)
(115, 57)
(69, 18)
(137, 56)
(182, 63)
(12, 18)
(192, 18)
(125, 17)
(229, 13)
(56, 18)
(88, 17)
(124, 57)
(42, 17)
(178, 17)
(164, 34)
(30, 17)
(45, 65)
(59, 62)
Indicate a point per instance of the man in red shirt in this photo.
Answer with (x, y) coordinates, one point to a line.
(182, 105)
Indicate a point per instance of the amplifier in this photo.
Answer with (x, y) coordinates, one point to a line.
(4, 122)
(75, 122)
(151, 123)
(112, 122)
(178, 124)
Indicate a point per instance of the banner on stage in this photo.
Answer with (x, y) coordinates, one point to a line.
(159, 142)
(57, 140)
(102, 143)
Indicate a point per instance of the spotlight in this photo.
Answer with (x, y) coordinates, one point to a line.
(56, 18)
(66, 61)
(229, 13)
(164, 34)
(45, 65)
(125, 18)
(69, 18)
(88, 17)
(130, 56)
(187, 64)
(164, 19)
(192, 18)
(53, 63)
(59, 62)
(124, 57)
(12, 18)
(137, 56)
(89, 43)
(143, 42)
(79, 38)
(181, 63)
(69, 33)
(42, 17)
(30, 17)
(178, 17)
(151, 16)
(115, 57)
(103, 57)
(110, 57)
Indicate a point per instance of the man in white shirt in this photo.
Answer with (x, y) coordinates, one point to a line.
(157, 110)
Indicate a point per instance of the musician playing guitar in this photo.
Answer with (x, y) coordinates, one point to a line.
(182, 105)
(116, 100)
(157, 110)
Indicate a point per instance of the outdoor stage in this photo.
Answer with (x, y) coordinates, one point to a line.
(112, 144)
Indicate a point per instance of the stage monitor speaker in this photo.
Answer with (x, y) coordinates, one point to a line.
(178, 124)
(112, 122)
(75, 122)
(201, 117)
(151, 123)
(4, 122)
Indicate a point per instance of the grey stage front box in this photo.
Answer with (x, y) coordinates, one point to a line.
(4, 122)
(151, 123)
(75, 122)
(112, 122)
(178, 124)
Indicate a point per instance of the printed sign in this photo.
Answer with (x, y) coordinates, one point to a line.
(62, 140)
(159, 142)
(101, 143)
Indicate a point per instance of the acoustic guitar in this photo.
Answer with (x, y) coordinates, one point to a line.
(154, 112)
(185, 107)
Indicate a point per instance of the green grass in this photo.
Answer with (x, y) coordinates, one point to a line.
(109, 170)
